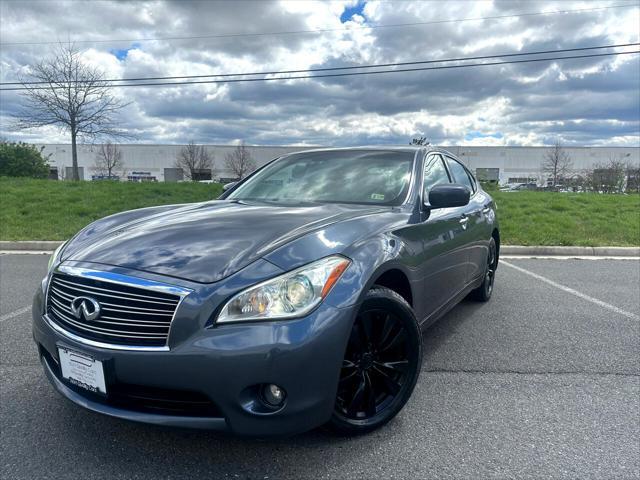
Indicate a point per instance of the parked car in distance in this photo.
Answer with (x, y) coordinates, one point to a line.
(519, 187)
(295, 300)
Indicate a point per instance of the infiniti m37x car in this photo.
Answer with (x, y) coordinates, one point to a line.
(295, 300)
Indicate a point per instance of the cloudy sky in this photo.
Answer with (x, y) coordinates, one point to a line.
(592, 101)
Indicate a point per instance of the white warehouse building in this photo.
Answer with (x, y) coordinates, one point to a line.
(506, 164)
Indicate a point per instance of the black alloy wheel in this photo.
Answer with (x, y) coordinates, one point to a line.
(484, 291)
(381, 364)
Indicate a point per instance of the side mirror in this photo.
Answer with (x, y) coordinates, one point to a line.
(227, 186)
(449, 195)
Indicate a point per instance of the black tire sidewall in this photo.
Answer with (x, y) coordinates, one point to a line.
(480, 294)
(488, 292)
(380, 298)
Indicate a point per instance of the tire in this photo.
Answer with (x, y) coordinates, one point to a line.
(381, 365)
(485, 290)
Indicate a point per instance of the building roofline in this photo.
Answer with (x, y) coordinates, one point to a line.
(371, 147)
(175, 145)
(535, 146)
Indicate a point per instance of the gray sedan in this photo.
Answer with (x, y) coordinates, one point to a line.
(294, 300)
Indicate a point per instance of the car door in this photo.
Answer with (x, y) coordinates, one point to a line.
(474, 225)
(441, 258)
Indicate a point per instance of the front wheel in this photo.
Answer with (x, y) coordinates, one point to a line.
(381, 364)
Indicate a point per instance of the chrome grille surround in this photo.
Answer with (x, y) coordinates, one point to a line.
(136, 313)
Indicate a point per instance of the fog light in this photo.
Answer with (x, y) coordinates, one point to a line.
(273, 395)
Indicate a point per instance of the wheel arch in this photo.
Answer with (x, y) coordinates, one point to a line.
(394, 279)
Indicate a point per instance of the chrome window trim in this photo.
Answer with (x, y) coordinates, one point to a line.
(118, 279)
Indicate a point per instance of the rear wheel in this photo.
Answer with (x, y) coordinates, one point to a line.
(381, 364)
(484, 291)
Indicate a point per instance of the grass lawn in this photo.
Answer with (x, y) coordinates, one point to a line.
(50, 210)
(53, 210)
(582, 219)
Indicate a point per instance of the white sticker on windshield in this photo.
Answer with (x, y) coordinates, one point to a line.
(377, 196)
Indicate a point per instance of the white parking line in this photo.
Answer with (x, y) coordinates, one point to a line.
(15, 313)
(606, 305)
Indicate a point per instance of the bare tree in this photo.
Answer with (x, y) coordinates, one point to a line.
(108, 161)
(557, 163)
(609, 177)
(193, 159)
(66, 92)
(240, 162)
(633, 178)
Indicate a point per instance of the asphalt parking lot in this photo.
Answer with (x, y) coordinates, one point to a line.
(543, 381)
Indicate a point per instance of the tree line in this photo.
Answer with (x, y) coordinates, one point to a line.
(196, 161)
(614, 175)
(18, 159)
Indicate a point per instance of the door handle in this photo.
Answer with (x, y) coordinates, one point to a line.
(486, 209)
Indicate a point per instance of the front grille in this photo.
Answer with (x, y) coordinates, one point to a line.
(128, 315)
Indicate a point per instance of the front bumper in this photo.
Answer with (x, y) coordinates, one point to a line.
(222, 365)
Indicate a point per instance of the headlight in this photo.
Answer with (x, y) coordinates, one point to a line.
(53, 260)
(290, 295)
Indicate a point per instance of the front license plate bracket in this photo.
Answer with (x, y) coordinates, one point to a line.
(82, 370)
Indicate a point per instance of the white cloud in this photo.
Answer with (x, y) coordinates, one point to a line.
(591, 101)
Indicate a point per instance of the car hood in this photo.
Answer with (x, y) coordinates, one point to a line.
(202, 242)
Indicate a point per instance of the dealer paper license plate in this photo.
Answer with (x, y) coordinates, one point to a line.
(82, 370)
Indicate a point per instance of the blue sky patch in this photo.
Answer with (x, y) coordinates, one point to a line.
(121, 53)
(349, 12)
(476, 134)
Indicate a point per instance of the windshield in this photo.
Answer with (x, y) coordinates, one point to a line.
(349, 176)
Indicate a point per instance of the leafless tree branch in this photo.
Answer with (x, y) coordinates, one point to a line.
(193, 159)
(108, 161)
(609, 177)
(74, 97)
(240, 162)
(557, 164)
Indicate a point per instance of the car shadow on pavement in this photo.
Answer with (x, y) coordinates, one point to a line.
(437, 337)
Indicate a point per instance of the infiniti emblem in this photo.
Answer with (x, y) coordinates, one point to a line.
(86, 307)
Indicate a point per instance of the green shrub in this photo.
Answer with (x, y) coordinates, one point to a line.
(22, 160)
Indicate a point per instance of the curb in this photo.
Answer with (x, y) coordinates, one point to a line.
(547, 251)
(30, 246)
(550, 251)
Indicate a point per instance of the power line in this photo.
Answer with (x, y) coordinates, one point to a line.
(347, 74)
(326, 30)
(326, 69)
